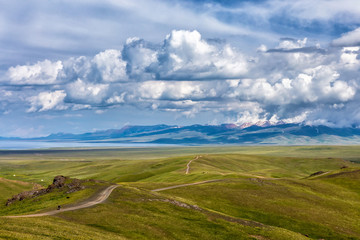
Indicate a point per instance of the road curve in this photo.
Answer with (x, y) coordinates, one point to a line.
(185, 185)
(188, 165)
(101, 197)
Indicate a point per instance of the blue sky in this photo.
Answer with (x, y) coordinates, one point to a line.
(78, 66)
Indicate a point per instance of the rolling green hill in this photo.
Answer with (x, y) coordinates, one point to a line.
(248, 193)
(11, 187)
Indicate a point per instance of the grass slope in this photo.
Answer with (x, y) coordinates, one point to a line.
(51, 200)
(137, 214)
(263, 193)
(313, 208)
(109, 168)
(11, 187)
(50, 228)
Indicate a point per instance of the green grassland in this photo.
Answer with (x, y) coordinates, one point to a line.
(261, 192)
(51, 200)
(11, 187)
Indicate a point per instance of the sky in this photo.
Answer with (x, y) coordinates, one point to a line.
(87, 65)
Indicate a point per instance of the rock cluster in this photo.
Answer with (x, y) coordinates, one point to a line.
(60, 182)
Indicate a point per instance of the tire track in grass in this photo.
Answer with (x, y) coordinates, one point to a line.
(188, 165)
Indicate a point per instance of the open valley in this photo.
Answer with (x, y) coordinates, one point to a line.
(263, 192)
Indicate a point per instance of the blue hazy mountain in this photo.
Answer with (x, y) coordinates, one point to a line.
(217, 134)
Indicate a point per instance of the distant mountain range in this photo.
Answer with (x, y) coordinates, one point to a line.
(259, 133)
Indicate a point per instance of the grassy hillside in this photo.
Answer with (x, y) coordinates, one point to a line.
(49, 201)
(260, 193)
(138, 214)
(313, 208)
(50, 228)
(129, 165)
(11, 187)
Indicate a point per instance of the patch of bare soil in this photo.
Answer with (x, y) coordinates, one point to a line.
(4, 180)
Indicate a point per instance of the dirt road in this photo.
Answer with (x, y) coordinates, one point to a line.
(188, 165)
(185, 185)
(101, 197)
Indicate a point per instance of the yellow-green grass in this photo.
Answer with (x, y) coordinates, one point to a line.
(270, 185)
(346, 177)
(315, 208)
(239, 165)
(11, 187)
(48, 201)
(137, 214)
(50, 228)
(348, 152)
(166, 169)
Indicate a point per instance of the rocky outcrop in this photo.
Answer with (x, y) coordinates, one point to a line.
(69, 185)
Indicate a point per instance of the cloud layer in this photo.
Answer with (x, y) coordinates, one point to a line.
(295, 81)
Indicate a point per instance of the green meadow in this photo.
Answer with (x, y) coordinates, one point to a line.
(258, 192)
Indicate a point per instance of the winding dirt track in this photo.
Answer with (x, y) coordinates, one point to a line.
(188, 165)
(101, 197)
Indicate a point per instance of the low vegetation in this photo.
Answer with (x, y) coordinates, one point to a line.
(259, 193)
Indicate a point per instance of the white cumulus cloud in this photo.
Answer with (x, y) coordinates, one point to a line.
(189, 75)
(84, 92)
(46, 101)
(45, 72)
(186, 56)
(110, 66)
(348, 39)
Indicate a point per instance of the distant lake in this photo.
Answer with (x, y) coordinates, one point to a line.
(24, 145)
